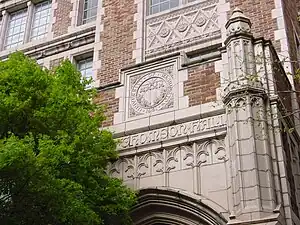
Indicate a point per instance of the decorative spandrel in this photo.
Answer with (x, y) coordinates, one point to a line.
(151, 92)
(190, 25)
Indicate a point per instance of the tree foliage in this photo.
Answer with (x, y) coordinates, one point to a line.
(53, 157)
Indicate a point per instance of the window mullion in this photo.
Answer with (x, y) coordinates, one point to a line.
(30, 11)
(3, 29)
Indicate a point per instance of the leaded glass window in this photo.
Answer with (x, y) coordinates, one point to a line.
(16, 29)
(41, 20)
(85, 67)
(89, 11)
(156, 6)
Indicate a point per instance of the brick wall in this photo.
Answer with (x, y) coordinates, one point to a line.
(292, 27)
(260, 14)
(292, 30)
(117, 39)
(107, 98)
(298, 5)
(201, 84)
(117, 47)
(62, 15)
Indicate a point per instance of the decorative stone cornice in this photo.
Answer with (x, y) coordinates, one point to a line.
(9, 4)
(233, 90)
(62, 47)
(58, 45)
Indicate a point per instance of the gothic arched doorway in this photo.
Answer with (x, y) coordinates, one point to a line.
(168, 207)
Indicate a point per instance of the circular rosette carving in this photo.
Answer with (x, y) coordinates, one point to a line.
(200, 21)
(164, 32)
(151, 92)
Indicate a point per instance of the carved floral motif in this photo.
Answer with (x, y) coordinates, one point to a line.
(169, 160)
(130, 168)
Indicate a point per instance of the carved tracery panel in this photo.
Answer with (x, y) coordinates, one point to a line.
(168, 160)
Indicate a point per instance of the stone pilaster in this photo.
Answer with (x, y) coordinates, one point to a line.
(30, 12)
(3, 27)
(252, 182)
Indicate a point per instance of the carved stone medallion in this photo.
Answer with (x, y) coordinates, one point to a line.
(151, 92)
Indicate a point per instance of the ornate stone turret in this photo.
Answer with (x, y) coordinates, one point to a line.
(241, 60)
(244, 97)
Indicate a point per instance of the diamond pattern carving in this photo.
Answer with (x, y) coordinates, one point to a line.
(192, 24)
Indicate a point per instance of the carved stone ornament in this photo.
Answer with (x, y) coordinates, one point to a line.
(192, 24)
(238, 23)
(151, 92)
(164, 32)
(200, 21)
(170, 159)
(182, 25)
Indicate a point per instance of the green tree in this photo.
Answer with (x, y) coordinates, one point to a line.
(53, 157)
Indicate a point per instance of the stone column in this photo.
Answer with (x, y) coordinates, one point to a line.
(252, 183)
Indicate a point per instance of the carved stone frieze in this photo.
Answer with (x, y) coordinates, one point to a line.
(151, 91)
(170, 159)
(129, 165)
(190, 25)
(210, 152)
(179, 158)
(150, 163)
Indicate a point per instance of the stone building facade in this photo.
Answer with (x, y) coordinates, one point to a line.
(201, 94)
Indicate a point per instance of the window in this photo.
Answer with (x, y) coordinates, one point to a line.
(25, 25)
(89, 11)
(16, 29)
(156, 6)
(41, 20)
(85, 67)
